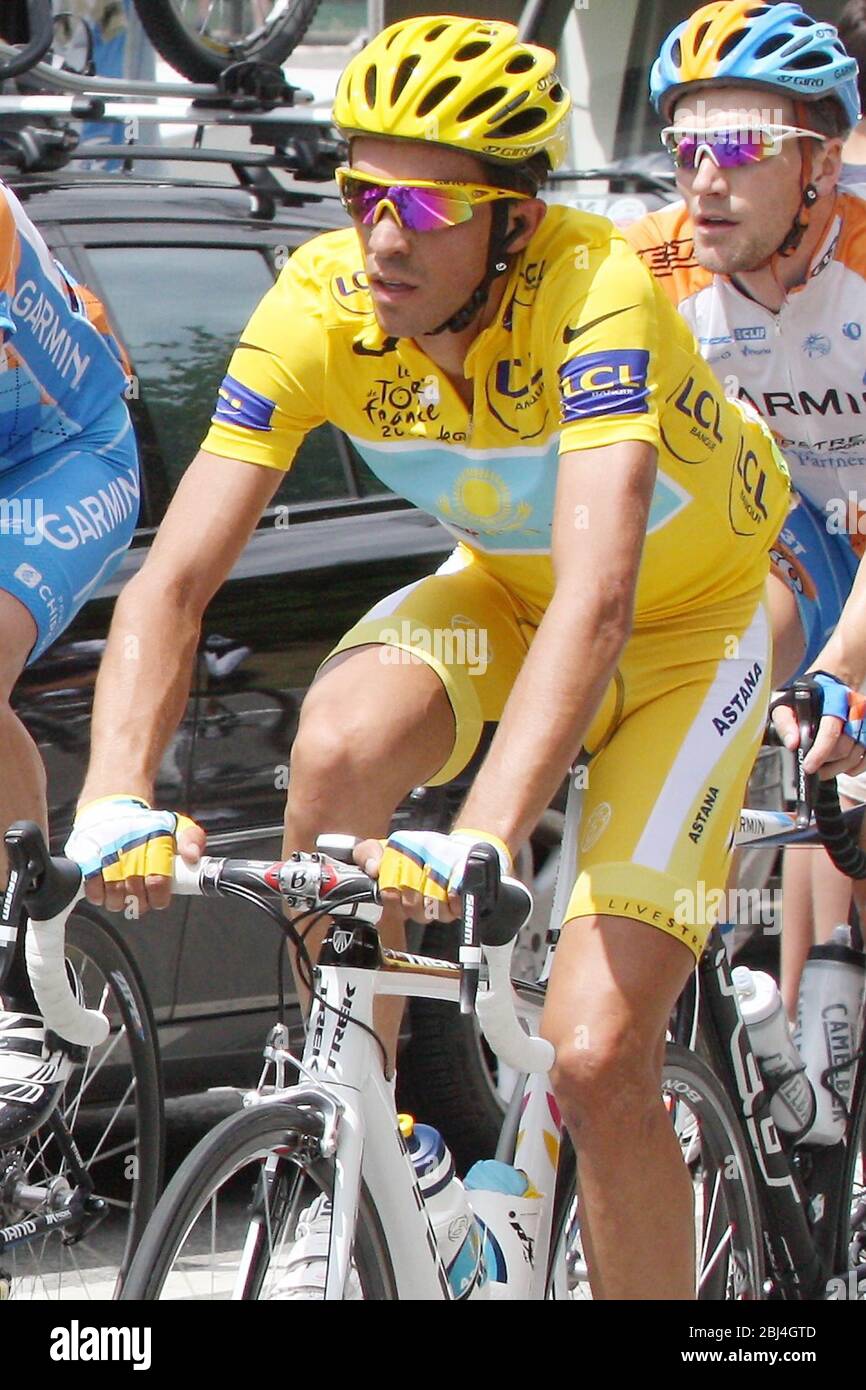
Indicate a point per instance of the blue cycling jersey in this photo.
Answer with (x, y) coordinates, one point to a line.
(58, 371)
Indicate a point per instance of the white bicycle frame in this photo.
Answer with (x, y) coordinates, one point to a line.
(344, 1078)
(344, 1064)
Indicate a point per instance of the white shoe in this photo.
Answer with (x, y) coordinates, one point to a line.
(31, 1077)
(303, 1266)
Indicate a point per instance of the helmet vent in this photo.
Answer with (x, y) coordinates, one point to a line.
(370, 85)
(522, 123)
(471, 50)
(677, 54)
(482, 103)
(809, 60)
(730, 43)
(771, 44)
(402, 75)
(556, 92)
(522, 63)
(700, 35)
(435, 32)
(437, 95)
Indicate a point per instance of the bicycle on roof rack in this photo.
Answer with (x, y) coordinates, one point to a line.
(40, 120)
(200, 38)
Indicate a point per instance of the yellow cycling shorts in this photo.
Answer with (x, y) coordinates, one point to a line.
(669, 751)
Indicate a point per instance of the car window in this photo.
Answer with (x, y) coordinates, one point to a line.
(368, 484)
(179, 311)
(318, 471)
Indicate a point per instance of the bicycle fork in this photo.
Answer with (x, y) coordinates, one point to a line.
(345, 1084)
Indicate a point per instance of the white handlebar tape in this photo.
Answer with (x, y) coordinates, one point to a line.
(46, 967)
(186, 878)
(497, 1015)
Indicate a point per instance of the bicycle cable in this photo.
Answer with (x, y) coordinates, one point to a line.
(288, 926)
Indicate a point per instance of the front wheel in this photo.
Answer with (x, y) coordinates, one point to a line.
(850, 1255)
(729, 1258)
(200, 38)
(246, 1217)
(112, 1107)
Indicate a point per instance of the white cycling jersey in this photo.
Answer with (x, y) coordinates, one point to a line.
(804, 368)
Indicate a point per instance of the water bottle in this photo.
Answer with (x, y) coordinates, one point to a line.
(458, 1235)
(828, 1028)
(507, 1208)
(793, 1102)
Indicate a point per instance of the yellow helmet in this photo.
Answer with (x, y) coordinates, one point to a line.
(470, 84)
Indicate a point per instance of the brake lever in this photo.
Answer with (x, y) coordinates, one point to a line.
(479, 893)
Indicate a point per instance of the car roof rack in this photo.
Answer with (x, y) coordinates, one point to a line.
(38, 129)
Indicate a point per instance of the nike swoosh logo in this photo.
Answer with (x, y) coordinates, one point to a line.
(569, 334)
(361, 351)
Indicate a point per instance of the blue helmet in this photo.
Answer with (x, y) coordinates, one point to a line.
(740, 41)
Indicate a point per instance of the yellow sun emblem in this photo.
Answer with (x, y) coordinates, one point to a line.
(481, 498)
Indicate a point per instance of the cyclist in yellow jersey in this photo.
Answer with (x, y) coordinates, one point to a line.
(516, 371)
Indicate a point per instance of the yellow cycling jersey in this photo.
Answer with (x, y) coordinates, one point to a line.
(585, 351)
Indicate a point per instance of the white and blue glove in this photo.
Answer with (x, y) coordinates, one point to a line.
(122, 837)
(432, 864)
(843, 703)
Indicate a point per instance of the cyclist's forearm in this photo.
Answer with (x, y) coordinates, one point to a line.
(844, 655)
(141, 691)
(570, 664)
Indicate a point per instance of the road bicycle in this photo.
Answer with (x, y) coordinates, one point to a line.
(228, 1222)
(773, 1219)
(96, 1160)
(199, 38)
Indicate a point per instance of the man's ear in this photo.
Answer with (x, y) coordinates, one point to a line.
(827, 168)
(525, 223)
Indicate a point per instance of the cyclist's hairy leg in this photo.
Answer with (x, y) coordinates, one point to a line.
(613, 986)
(789, 640)
(370, 731)
(789, 648)
(22, 783)
(816, 898)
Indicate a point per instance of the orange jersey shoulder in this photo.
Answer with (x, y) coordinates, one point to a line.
(665, 244)
(851, 250)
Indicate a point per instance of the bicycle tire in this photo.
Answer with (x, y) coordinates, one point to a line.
(171, 27)
(100, 1124)
(728, 1227)
(169, 1262)
(850, 1246)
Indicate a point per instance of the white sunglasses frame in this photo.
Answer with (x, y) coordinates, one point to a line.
(777, 134)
